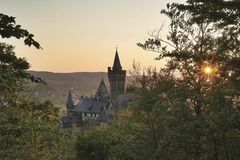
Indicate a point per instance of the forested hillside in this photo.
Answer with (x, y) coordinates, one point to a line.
(58, 85)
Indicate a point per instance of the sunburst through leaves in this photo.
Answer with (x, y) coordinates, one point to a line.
(208, 70)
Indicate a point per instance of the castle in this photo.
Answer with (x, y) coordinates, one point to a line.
(104, 105)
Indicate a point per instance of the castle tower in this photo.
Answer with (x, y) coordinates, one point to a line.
(116, 78)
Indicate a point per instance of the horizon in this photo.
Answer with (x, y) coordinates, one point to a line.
(81, 36)
(68, 72)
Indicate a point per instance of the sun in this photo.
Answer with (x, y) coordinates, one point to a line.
(208, 70)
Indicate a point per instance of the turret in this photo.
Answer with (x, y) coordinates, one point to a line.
(69, 103)
(116, 78)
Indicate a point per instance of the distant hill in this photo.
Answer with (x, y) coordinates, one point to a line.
(58, 85)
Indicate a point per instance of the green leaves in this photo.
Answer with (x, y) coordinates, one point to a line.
(25, 125)
(13, 71)
(29, 128)
(108, 142)
(9, 28)
(199, 109)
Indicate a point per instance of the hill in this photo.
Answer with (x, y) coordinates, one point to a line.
(58, 85)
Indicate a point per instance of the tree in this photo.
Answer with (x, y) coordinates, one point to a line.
(203, 104)
(13, 69)
(29, 128)
(108, 142)
(9, 29)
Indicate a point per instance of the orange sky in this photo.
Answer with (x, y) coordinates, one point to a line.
(81, 35)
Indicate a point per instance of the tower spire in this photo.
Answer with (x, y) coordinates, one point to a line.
(116, 78)
(117, 64)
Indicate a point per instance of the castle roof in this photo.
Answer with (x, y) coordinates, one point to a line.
(117, 64)
(90, 105)
(102, 92)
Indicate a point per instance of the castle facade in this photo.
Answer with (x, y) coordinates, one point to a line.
(104, 105)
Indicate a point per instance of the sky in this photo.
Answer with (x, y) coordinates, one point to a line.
(82, 35)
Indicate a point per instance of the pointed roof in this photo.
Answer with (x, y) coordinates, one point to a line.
(117, 64)
(102, 91)
(69, 102)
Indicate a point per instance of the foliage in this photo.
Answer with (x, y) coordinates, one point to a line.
(29, 128)
(13, 75)
(202, 114)
(9, 28)
(103, 144)
(24, 132)
(13, 69)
